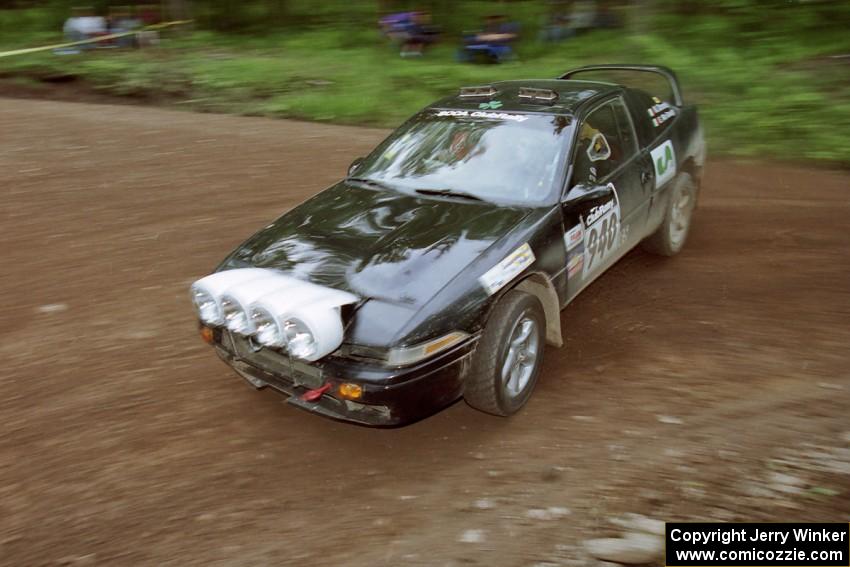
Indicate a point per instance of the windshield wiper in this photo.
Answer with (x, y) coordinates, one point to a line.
(449, 193)
(369, 182)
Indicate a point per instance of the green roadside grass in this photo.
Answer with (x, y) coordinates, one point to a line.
(766, 98)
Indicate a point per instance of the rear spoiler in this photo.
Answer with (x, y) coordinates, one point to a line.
(665, 72)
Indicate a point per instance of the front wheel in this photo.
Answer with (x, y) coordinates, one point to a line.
(670, 237)
(507, 361)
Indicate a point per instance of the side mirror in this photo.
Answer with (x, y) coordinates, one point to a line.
(576, 191)
(354, 165)
(584, 192)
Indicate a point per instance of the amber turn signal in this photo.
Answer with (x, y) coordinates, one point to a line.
(207, 335)
(350, 391)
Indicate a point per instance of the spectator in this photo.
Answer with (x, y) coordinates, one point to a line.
(557, 25)
(411, 31)
(395, 26)
(493, 42)
(420, 34)
(585, 15)
(82, 25)
(122, 21)
(91, 25)
(148, 15)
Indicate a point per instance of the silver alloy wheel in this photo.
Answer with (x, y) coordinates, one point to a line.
(521, 357)
(680, 216)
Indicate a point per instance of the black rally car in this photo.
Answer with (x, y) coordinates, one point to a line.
(438, 268)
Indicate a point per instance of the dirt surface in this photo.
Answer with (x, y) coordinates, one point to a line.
(687, 387)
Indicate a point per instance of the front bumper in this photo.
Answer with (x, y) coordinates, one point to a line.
(391, 396)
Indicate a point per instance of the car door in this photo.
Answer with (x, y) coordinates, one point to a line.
(606, 195)
(654, 120)
(636, 178)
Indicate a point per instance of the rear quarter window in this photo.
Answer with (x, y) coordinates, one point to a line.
(653, 116)
(639, 104)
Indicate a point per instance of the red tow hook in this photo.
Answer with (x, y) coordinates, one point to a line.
(313, 395)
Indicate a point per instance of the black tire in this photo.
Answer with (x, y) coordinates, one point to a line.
(662, 241)
(484, 387)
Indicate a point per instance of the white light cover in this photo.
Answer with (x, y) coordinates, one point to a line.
(325, 325)
(215, 284)
(242, 295)
(303, 294)
(316, 306)
(277, 296)
(268, 331)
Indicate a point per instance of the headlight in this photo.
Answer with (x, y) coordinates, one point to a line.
(269, 332)
(234, 316)
(304, 320)
(206, 292)
(282, 311)
(408, 355)
(236, 302)
(309, 333)
(208, 309)
(300, 340)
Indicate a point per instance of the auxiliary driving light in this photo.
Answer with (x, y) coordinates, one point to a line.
(207, 335)
(206, 292)
(305, 320)
(279, 310)
(350, 391)
(237, 300)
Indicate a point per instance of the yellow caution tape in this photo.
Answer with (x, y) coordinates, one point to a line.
(93, 40)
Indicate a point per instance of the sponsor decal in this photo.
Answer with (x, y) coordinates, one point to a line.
(492, 105)
(660, 113)
(664, 160)
(502, 273)
(573, 237)
(598, 150)
(599, 210)
(601, 232)
(575, 265)
(482, 114)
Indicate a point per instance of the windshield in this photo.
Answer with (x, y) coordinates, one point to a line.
(495, 156)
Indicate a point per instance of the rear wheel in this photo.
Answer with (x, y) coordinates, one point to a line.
(670, 237)
(507, 361)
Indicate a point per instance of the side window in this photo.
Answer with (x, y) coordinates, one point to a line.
(599, 150)
(640, 102)
(654, 112)
(627, 133)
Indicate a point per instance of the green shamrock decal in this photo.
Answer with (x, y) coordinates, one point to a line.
(664, 162)
(493, 105)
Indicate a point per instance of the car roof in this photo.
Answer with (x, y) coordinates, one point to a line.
(572, 95)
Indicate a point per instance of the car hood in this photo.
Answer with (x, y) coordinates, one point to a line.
(378, 244)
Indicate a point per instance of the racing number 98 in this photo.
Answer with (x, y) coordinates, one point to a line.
(601, 239)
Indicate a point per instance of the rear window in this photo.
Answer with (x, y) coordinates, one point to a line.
(653, 84)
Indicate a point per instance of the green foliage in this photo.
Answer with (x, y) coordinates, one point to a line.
(764, 76)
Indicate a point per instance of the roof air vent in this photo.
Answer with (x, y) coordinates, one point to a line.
(485, 91)
(541, 95)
